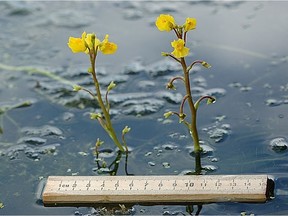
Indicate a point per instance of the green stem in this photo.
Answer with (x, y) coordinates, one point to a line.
(109, 128)
(193, 126)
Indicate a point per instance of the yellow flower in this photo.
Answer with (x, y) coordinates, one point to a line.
(107, 47)
(82, 44)
(90, 39)
(180, 50)
(190, 24)
(77, 44)
(165, 22)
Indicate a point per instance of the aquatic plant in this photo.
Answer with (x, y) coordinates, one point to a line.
(91, 45)
(166, 22)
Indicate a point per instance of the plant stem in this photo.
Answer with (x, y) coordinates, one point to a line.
(109, 128)
(193, 125)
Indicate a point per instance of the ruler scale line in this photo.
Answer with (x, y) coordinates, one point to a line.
(154, 189)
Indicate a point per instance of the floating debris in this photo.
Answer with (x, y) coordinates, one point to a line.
(173, 98)
(146, 84)
(163, 67)
(245, 88)
(169, 146)
(150, 163)
(142, 107)
(148, 154)
(200, 81)
(31, 152)
(67, 116)
(214, 159)
(32, 140)
(166, 165)
(46, 130)
(209, 168)
(279, 144)
(134, 67)
(218, 134)
(83, 153)
(273, 102)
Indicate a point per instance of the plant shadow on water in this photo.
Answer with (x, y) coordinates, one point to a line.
(45, 127)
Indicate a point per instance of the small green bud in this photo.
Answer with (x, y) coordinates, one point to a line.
(170, 86)
(99, 142)
(181, 117)
(211, 100)
(206, 65)
(90, 70)
(111, 86)
(165, 54)
(125, 130)
(95, 116)
(168, 114)
(77, 88)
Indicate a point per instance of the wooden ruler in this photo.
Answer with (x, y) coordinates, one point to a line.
(66, 190)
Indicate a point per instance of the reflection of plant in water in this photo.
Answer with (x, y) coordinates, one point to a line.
(112, 168)
(167, 23)
(90, 45)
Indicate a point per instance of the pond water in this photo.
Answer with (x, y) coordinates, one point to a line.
(45, 127)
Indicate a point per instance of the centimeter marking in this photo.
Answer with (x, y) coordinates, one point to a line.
(151, 189)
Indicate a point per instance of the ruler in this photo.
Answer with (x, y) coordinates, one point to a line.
(81, 190)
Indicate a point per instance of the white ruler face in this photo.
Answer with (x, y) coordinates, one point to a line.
(154, 189)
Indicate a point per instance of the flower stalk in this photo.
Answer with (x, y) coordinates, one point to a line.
(166, 22)
(91, 45)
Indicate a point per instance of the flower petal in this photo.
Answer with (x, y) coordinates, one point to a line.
(165, 22)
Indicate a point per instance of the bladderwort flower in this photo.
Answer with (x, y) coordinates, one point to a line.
(190, 24)
(107, 47)
(77, 44)
(89, 42)
(165, 22)
(180, 50)
(90, 45)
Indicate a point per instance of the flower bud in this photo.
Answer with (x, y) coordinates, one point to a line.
(206, 65)
(125, 130)
(111, 86)
(211, 100)
(181, 117)
(99, 142)
(77, 88)
(90, 70)
(165, 54)
(95, 116)
(170, 86)
(168, 114)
